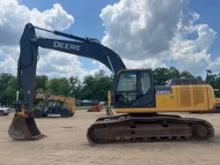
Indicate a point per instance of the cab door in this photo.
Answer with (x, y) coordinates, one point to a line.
(146, 90)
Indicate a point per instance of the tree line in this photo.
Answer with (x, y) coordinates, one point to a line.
(92, 87)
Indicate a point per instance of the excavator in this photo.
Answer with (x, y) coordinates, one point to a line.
(143, 107)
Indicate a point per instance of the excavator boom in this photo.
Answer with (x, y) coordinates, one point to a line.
(27, 65)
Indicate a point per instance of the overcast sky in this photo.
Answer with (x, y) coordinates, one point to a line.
(145, 33)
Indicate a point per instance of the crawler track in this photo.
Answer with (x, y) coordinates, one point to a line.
(155, 127)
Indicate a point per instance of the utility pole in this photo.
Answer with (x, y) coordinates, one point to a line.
(208, 72)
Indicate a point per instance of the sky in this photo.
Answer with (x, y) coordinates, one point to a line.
(145, 33)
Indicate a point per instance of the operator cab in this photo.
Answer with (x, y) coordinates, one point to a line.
(134, 88)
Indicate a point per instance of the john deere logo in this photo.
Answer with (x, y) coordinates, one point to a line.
(62, 45)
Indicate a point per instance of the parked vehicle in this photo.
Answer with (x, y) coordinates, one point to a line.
(4, 111)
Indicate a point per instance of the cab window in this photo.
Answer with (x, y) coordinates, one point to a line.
(126, 90)
(127, 82)
(145, 83)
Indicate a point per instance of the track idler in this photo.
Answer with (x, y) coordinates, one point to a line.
(23, 127)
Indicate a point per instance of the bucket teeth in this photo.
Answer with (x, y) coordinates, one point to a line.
(24, 128)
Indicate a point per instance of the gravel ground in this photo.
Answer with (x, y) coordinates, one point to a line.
(66, 144)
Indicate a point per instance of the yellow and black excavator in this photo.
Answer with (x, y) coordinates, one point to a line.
(49, 104)
(133, 94)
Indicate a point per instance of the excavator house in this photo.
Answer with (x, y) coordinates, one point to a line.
(142, 106)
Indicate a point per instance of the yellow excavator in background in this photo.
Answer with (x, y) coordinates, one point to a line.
(48, 104)
(133, 93)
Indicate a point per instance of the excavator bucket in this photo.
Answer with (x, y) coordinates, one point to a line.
(24, 128)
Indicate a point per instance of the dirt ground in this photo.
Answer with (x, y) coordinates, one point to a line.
(66, 144)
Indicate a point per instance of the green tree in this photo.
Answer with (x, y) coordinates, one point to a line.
(214, 81)
(96, 87)
(88, 88)
(7, 89)
(41, 83)
(173, 73)
(75, 87)
(59, 86)
(103, 84)
(161, 75)
(186, 74)
(199, 78)
(211, 79)
(216, 85)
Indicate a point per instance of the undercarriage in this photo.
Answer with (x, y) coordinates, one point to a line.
(146, 128)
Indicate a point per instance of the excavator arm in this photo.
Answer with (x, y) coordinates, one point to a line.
(85, 47)
(27, 64)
